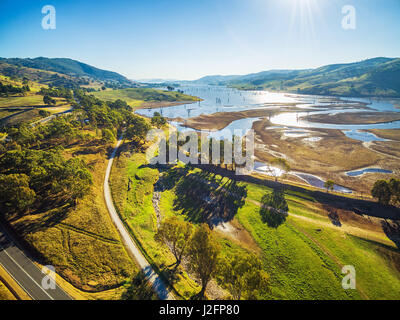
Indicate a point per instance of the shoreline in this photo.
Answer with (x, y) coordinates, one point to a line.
(314, 94)
(220, 120)
(329, 158)
(354, 118)
(165, 104)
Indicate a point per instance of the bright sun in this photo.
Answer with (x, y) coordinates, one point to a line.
(304, 12)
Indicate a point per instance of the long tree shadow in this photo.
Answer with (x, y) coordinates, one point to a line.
(358, 206)
(392, 231)
(274, 208)
(205, 199)
(139, 289)
(335, 219)
(52, 218)
(272, 217)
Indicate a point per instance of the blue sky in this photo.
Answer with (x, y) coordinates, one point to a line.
(187, 39)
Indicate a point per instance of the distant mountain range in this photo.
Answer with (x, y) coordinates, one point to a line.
(155, 80)
(68, 67)
(372, 77)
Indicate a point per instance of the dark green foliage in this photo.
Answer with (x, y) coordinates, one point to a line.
(68, 67)
(108, 136)
(137, 128)
(48, 100)
(242, 274)
(57, 92)
(74, 179)
(274, 208)
(49, 174)
(15, 193)
(372, 77)
(44, 113)
(158, 120)
(8, 89)
(58, 128)
(119, 105)
(381, 191)
(394, 185)
(387, 191)
(22, 134)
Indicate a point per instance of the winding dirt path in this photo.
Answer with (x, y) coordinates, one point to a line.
(157, 283)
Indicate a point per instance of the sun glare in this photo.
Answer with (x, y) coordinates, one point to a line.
(303, 14)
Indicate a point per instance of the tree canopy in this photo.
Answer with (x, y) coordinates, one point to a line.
(329, 185)
(15, 193)
(274, 208)
(203, 256)
(387, 191)
(280, 164)
(381, 191)
(242, 274)
(176, 234)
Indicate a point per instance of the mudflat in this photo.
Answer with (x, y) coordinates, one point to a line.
(354, 117)
(219, 120)
(327, 153)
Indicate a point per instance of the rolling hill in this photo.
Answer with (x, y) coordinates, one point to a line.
(372, 77)
(68, 67)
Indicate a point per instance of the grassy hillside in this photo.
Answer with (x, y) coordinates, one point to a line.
(68, 67)
(303, 247)
(304, 255)
(71, 231)
(17, 108)
(81, 242)
(373, 77)
(136, 209)
(137, 97)
(42, 77)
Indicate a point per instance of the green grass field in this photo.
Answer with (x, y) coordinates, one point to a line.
(136, 97)
(19, 109)
(27, 101)
(34, 86)
(304, 256)
(136, 208)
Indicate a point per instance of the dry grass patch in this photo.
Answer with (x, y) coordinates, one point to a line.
(81, 242)
(328, 158)
(391, 134)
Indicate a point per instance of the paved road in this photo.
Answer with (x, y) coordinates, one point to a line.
(25, 272)
(157, 283)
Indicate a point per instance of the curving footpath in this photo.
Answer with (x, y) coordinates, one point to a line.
(157, 283)
(25, 273)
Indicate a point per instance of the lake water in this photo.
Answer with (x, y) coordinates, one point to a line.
(223, 99)
(312, 180)
(357, 173)
(318, 182)
(362, 135)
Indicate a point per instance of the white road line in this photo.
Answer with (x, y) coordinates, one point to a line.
(9, 238)
(4, 267)
(41, 288)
